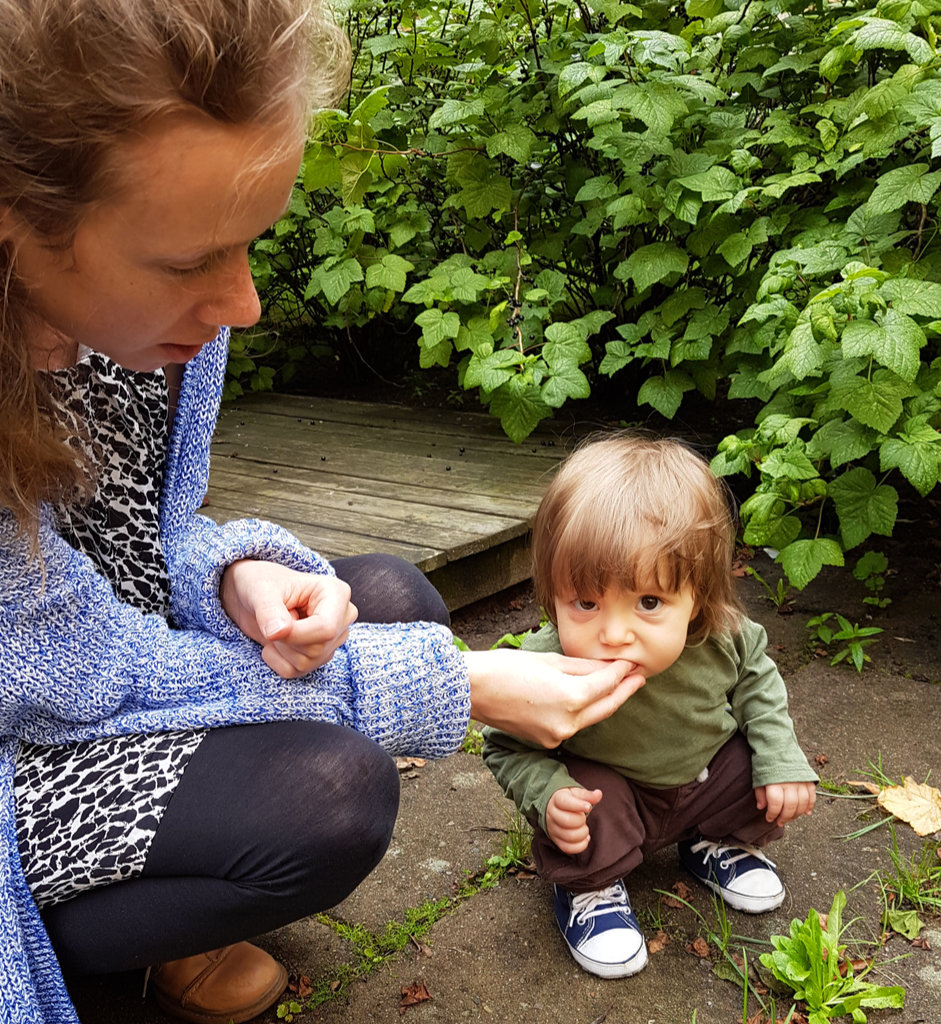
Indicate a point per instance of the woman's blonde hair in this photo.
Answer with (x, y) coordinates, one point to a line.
(633, 512)
(77, 77)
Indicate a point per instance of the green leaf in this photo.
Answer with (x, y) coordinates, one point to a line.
(896, 342)
(654, 103)
(665, 393)
(652, 263)
(881, 34)
(566, 382)
(803, 559)
(520, 407)
(876, 403)
(864, 507)
(789, 463)
(390, 272)
(916, 298)
(917, 458)
(905, 922)
(437, 326)
(335, 282)
(909, 184)
(735, 249)
(453, 112)
(490, 370)
(516, 143)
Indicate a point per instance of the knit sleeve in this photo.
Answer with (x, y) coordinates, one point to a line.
(198, 550)
(78, 663)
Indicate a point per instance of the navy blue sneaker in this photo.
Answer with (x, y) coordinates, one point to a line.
(742, 875)
(601, 931)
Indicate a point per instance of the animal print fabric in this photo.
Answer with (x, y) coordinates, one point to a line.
(122, 416)
(87, 812)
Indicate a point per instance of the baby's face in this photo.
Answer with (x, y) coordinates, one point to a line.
(647, 628)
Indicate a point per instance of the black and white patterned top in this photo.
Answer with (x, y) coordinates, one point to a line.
(87, 812)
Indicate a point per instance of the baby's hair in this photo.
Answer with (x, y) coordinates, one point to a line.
(631, 512)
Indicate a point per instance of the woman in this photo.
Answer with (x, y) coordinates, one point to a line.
(146, 653)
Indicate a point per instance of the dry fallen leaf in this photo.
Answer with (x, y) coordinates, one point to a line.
(403, 763)
(870, 787)
(682, 890)
(658, 943)
(700, 947)
(300, 986)
(413, 994)
(914, 802)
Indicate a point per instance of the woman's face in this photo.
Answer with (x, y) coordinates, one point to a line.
(156, 270)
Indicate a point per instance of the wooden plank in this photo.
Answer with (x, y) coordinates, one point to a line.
(249, 475)
(445, 490)
(384, 424)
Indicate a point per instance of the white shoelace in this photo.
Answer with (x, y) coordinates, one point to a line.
(709, 849)
(601, 901)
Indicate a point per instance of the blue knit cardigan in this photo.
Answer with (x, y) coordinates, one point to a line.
(75, 663)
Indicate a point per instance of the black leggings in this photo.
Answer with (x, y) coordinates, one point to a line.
(268, 823)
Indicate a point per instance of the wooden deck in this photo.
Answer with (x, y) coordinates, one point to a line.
(446, 490)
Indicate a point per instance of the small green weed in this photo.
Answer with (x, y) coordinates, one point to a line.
(834, 788)
(514, 853)
(473, 741)
(856, 638)
(913, 887)
(809, 961)
(870, 571)
(779, 595)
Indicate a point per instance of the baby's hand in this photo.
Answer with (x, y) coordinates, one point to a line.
(786, 801)
(567, 818)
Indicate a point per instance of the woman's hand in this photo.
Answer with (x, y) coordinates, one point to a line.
(545, 698)
(299, 618)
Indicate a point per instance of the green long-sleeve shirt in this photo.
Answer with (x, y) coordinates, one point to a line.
(667, 732)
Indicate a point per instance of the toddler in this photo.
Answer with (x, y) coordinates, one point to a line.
(632, 552)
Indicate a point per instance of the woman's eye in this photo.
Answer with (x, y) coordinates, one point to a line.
(193, 271)
(584, 606)
(649, 603)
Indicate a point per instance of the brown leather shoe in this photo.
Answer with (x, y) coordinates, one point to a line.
(235, 983)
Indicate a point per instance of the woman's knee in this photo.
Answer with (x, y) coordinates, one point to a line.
(387, 588)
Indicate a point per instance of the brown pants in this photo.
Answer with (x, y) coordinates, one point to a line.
(633, 821)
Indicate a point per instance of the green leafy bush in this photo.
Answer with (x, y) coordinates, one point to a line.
(729, 197)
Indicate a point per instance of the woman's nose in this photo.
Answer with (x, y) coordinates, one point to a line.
(237, 303)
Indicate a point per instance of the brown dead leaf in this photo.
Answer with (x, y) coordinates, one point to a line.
(422, 949)
(914, 802)
(671, 902)
(658, 943)
(699, 947)
(300, 985)
(821, 759)
(921, 943)
(682, 890)
(404, 763)
(870, 787)
(412, 995)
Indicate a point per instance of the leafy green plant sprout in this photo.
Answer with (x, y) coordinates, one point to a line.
(809, 962)
(856, 638)
(779, 594)
(870, 570)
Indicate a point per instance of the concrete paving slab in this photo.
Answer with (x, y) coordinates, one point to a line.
(498, 957)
